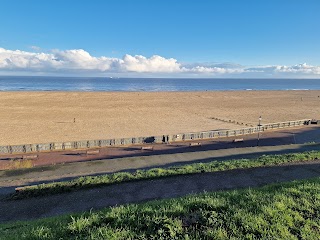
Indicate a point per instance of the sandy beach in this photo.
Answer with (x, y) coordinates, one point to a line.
(40, 117)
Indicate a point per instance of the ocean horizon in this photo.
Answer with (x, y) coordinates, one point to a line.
(108, 84)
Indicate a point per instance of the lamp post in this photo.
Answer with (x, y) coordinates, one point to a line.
(259, 126)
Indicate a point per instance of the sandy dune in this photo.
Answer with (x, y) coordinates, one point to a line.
(36, 117)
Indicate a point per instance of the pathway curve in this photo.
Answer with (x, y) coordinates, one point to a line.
(140, 191)
(9, 180)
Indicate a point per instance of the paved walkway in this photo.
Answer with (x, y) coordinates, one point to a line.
(140, 191)
(285, 136)
(16, 178)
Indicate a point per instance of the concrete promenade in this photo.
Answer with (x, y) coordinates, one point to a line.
(287, 136)
(9, 180)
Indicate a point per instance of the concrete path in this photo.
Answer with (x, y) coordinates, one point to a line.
(9, 180)
(140, 191)
(300, 135)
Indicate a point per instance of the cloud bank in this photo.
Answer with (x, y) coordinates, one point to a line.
(79, 61)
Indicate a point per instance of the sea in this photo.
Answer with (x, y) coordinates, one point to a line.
(107, 84)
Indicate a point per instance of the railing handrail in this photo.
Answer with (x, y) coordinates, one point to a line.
(85, 144)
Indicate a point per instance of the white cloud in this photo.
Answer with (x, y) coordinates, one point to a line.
(35, 48)
(299, 69)
(80, 61)
(155, 64)
(213, 70)
(15, 60)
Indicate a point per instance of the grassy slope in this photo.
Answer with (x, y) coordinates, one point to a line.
(282, 211)
(90, 182)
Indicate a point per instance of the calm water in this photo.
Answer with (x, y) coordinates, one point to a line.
(151, 84)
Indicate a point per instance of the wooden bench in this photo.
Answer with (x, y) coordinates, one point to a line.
(149, 148)
(238, 140)
(92, 152)
(25, 157)
(195, 144)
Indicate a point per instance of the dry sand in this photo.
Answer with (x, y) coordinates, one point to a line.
(39, 117)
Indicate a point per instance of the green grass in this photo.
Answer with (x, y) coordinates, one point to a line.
(96, 181)
(279, 211)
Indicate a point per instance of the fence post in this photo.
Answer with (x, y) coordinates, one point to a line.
(124, 141)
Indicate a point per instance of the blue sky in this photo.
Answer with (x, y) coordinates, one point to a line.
(274, 38)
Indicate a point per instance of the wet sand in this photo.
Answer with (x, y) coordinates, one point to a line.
(37, 117)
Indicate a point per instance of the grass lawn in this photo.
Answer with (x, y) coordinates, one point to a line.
(96, 181)
(279, 211)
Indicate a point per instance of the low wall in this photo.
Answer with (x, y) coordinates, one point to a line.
(44, 147)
